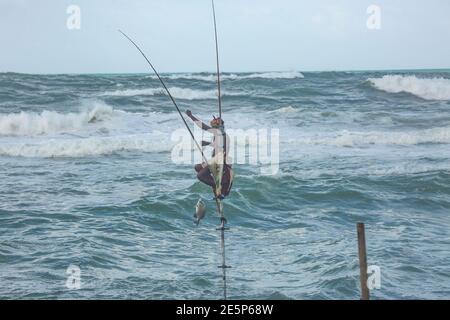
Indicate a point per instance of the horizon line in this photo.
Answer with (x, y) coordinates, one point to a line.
(232, 72)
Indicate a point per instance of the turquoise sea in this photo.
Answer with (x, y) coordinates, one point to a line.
(87, 179)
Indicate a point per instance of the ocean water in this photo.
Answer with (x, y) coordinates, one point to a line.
(87, 179)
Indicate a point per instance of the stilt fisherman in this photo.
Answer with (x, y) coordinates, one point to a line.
(217, 173)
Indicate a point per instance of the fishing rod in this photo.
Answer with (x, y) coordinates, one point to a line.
(179, 112)
(168, 93)
(217, 60)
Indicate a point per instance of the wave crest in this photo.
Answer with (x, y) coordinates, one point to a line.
(176, 92)
(46, 122)
(92, 146)
(428, 89)
(354, 139)
(288, 109)
(234, 76)
(275, 75)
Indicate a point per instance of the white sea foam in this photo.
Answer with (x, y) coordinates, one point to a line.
(201, 77)
(234, 76)
(276, 75)
(158, 141)
(428, 89)
(353, 139)
(92, 146)
(288, 109)
(46, 122)
(176, 92)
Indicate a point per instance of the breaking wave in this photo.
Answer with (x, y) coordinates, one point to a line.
(233, 76)
(176, 92)
(92, 146)
(353, 139)
(288, 109)
(428, 89)
(46, 122)
(275, 75)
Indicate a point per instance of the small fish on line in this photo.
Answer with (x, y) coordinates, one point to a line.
(200, 211)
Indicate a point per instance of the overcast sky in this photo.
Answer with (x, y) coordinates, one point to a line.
(254, 35)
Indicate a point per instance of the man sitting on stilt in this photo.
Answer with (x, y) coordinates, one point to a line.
(218, 173)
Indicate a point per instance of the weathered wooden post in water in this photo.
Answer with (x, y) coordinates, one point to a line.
(365, 294)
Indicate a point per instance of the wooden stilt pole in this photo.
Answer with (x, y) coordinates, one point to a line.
(365, 294)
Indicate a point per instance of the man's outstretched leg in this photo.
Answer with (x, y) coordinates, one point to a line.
(204, 175)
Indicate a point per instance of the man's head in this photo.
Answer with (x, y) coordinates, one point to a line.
(216, 123)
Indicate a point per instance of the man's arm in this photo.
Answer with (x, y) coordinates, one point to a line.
(198, 122)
